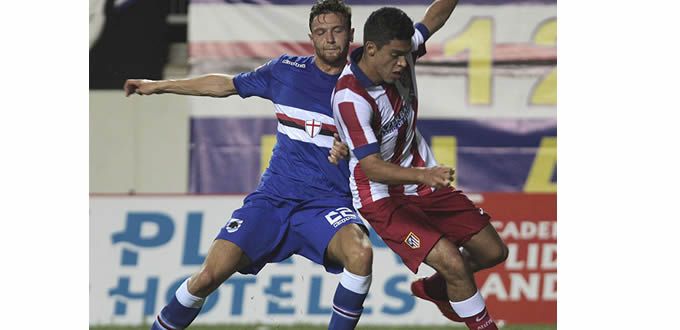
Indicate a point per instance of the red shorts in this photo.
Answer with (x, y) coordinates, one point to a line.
(412, 225)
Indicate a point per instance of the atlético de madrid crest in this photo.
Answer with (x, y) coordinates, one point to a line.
(313, 127)
(412, 240)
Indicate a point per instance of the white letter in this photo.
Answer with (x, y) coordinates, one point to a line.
(493, 286)
(550, 287)
(519, 286)
(513, 262)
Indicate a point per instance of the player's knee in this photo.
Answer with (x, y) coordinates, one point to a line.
(449, 263)
(493, 256)
(359, 257)
(501, 254)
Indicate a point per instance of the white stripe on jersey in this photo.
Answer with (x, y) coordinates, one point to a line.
(297, 134)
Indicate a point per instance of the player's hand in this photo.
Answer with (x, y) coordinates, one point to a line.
(139, 86)
(339, 150)
(437, 177)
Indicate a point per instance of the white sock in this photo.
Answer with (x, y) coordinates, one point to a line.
(355, 283)
(470, 306)
(187, 299)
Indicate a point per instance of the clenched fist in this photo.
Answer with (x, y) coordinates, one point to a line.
(437, 177)
(339, 150)
(140, 86)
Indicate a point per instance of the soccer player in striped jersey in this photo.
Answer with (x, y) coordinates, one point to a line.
(396, 183)
(303, 204)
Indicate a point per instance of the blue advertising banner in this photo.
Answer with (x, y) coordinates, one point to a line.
(491, 155)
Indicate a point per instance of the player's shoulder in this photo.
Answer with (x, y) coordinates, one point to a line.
(349, 88)
(293, 62)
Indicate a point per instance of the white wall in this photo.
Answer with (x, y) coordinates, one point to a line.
(138, 143)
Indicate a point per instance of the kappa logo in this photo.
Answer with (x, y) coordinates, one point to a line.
(313, 127)
(233, 225)
(297, 65)
(412, 240)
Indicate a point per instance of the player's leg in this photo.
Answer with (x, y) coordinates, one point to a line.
(485, 249)
(351, 248)
(454, 215)
(400, 224)
(467, 226)
(224, 258)
(333, 237)
(244, 245)
(465, 299)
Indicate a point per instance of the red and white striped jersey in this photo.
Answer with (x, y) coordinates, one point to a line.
(381, 119)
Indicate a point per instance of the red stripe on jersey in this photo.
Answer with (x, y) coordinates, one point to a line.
(302, 123)
(396, 103)
(349, 81)
(419, 162)
(363, 185)
(286, 118)
(349, 116)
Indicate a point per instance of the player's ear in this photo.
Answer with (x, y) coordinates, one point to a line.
(371, 48)
(310, 36)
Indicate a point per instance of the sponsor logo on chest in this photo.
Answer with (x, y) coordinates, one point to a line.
(403, 117)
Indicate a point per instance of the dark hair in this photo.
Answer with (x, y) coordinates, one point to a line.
(331, 6)
(387, 24)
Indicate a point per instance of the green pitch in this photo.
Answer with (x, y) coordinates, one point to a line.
(310, 327)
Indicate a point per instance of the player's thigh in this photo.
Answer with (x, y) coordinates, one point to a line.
(486, 247)
(453, 214)
(256, 228)
(315, 224)
(404, 227)
(351, 241)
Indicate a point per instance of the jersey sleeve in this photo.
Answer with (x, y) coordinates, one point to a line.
(418, 40)
(354, 116)
(256, 82)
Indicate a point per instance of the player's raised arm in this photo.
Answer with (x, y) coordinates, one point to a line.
(215, 85)
(437, 14)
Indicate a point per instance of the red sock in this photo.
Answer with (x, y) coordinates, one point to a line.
(480, 321)
(435, 287)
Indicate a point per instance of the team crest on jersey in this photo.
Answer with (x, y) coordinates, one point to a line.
(313, 127)
(412, 240)
(233, 225)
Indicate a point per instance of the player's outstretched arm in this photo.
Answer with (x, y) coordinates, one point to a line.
(376, 169)
(215, 85)
(438, 13)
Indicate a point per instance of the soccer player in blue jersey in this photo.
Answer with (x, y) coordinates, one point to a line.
(303, 204)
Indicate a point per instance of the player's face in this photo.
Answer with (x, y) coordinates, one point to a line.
(331, 37)
(390, 60)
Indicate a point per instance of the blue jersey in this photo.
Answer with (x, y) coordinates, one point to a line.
(301, 93)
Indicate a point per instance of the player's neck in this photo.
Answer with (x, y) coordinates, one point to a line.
(370, 73)
(329, 68)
